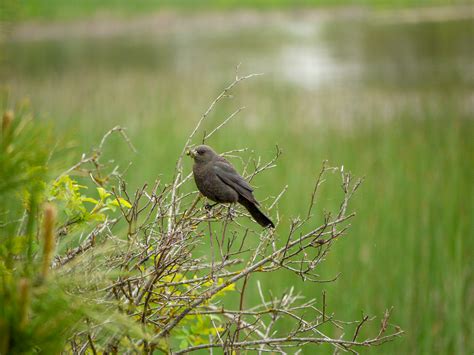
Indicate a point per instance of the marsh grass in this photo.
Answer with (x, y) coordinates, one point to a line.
(411, 241)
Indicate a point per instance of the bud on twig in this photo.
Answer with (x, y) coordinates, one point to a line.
(24, 300)
(48, 235)
(7, 120)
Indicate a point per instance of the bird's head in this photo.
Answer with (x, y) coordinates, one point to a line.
(202, 154)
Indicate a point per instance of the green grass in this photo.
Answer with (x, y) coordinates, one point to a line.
(65, 10)
(410, 245)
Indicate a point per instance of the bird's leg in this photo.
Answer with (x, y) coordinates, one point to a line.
(208, 206)
(231, 212)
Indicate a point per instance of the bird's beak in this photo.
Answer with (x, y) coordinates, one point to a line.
(191, 153)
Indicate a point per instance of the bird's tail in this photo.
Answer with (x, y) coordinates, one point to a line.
(258, 215)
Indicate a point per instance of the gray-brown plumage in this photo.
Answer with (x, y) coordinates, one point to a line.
(217, 179)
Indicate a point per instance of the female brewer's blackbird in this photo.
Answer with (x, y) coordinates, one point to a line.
(217, 179)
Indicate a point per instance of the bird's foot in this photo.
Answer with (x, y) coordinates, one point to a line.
(208, 206)
(231, 213)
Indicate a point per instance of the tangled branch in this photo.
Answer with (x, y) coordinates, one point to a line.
(168, 284)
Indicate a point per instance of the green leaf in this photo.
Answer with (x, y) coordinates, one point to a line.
(184, 344)
(89, 199)
(96, 217)
(102, 193)
(123, 203)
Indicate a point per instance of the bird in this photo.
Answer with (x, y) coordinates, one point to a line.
(217, 179)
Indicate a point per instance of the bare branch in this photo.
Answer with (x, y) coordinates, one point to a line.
(159, 278)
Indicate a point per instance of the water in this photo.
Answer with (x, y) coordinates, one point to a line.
(339, 62)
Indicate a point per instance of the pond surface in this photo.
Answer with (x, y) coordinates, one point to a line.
(348, 62)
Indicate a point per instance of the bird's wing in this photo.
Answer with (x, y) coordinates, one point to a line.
(226, 172)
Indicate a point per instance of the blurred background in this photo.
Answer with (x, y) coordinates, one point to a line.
(384, 88)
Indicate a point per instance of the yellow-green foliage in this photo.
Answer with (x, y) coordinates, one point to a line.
(35, 313)
(196, 328)
(69, 193)
(38, 314)
(42, 308)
